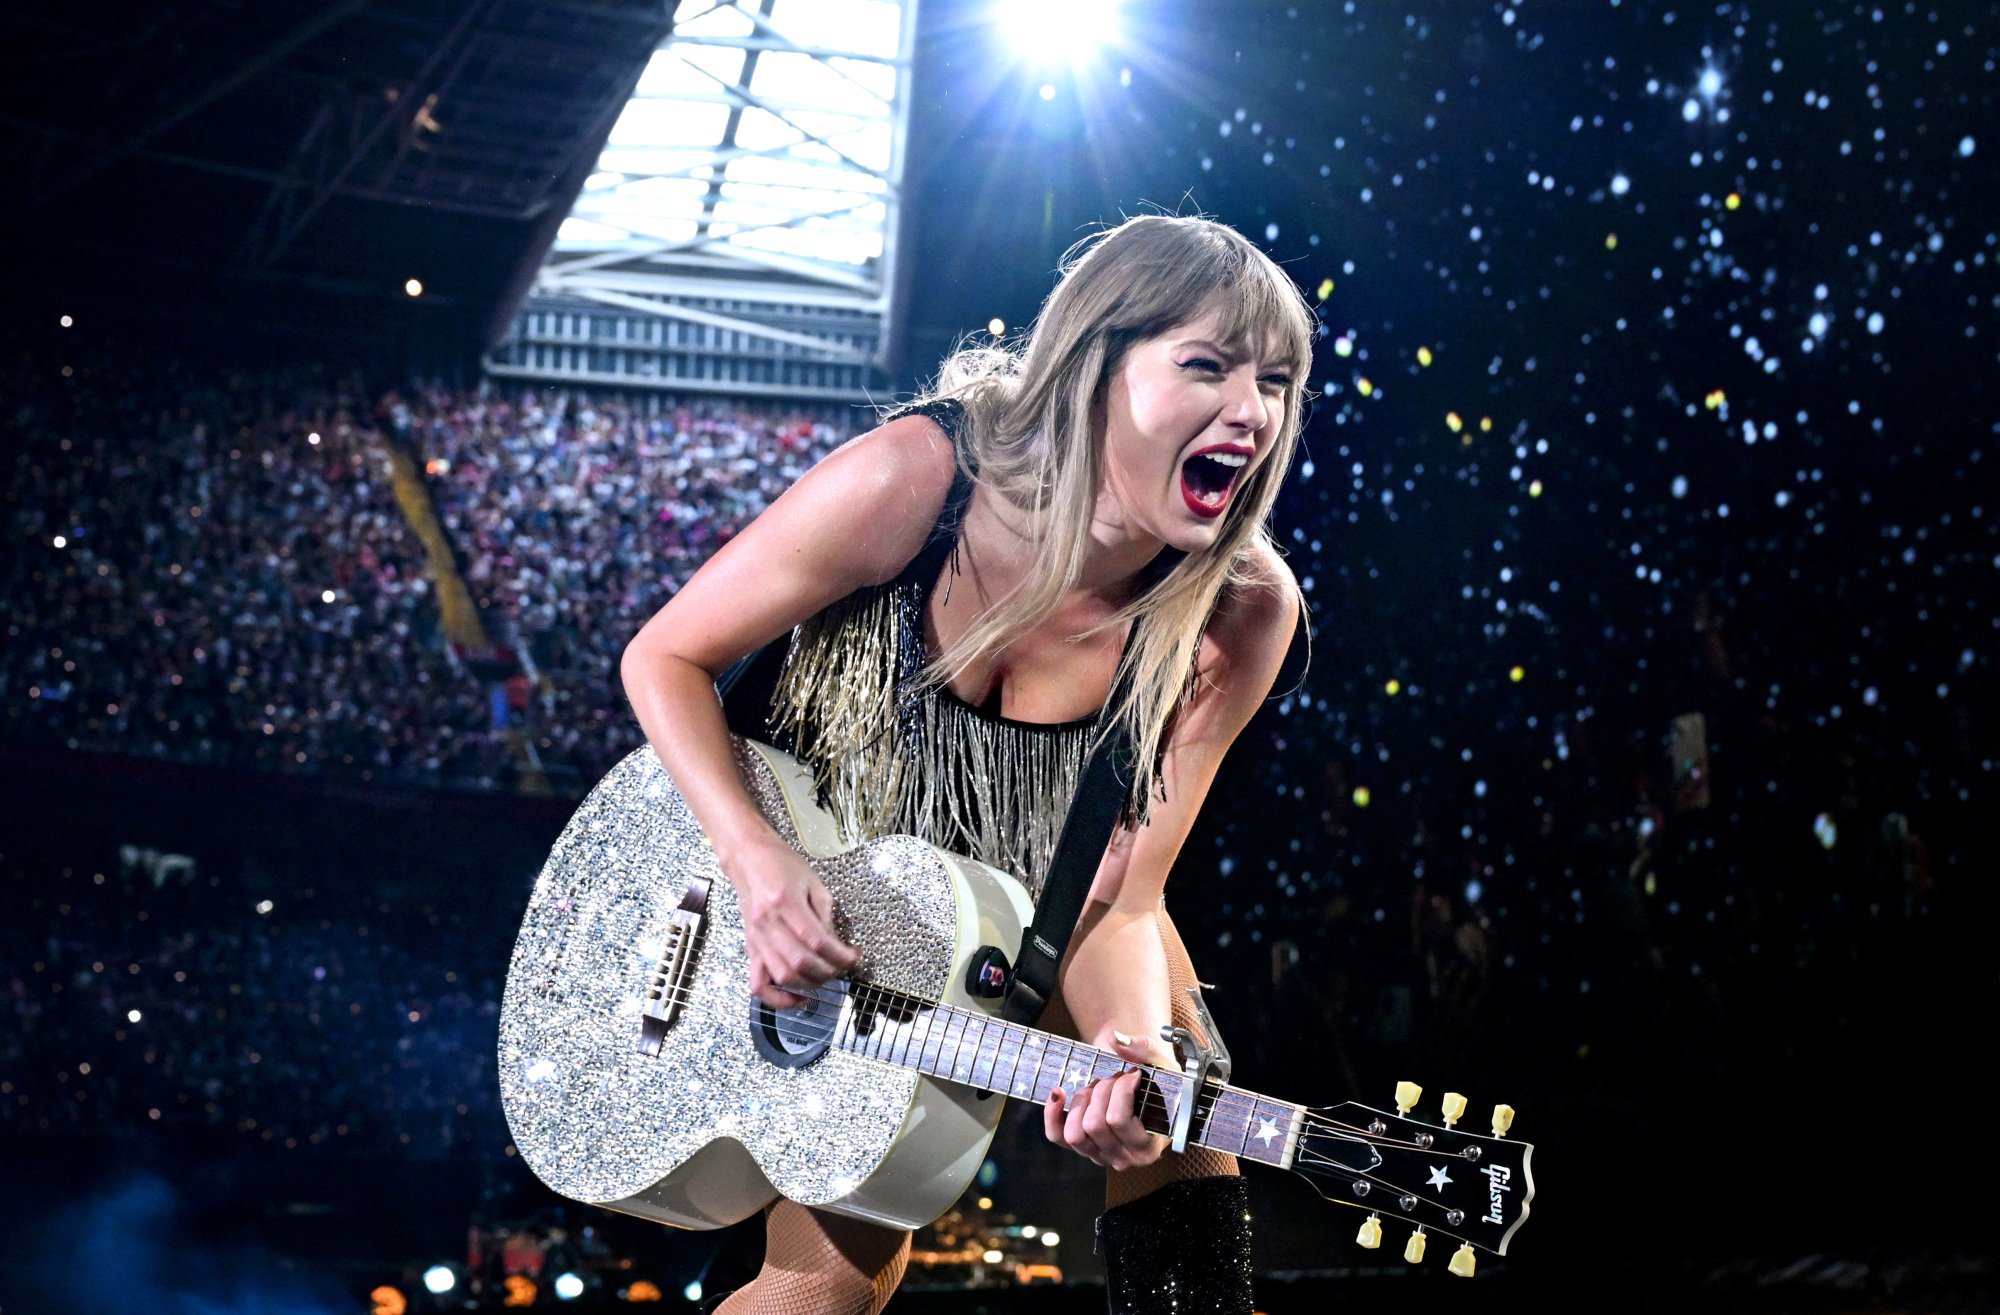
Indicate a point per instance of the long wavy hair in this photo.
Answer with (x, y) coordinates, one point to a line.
(1029, 437)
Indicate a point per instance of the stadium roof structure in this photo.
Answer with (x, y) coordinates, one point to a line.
(294, 165)
(738, 233)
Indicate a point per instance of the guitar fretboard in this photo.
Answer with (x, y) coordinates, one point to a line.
(1023, 1063)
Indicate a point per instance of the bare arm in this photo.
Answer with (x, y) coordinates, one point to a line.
(853, 520)
(1114, 978)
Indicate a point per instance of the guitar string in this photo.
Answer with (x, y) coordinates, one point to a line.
(818, 1031)
(880, 996)
(1208, 1101)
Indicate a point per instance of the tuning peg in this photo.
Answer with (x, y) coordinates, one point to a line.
(1462, 1261)
(1407, 1096)
(1503, 1119)
(1414, 1252)
(1370, 1235)
(1454, 1108)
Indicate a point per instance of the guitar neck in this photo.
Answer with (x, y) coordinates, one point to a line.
(1023, 1063)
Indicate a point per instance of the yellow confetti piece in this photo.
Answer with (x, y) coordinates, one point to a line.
(1486, 424)
(1517, 675)
(1466, 439)
(1610, 241)
(1325, 289)
(1367, 389)
(1535, 489)
(1716, 399)
(1394, 687)
(1452, 422)
(1733, 201)
(1361, 796)
(1423, 356)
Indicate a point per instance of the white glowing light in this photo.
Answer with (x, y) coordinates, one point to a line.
(1965, 145)
(265, 906)
(1048, 91)
(1051, 1238)
(326, 595)
(992, 1257)
(440, 1279)
(1875, 322)
(568, 1287)
(1057, 29)
(132, 1015)
(1691, 110)
(692, 1291)
(1711, 83)
(1620, 184)
(414, 287)
(1964, 148)
(996, 326)
(1818, 325)
(61, 542)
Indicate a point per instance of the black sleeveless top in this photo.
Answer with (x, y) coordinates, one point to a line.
(892, 755)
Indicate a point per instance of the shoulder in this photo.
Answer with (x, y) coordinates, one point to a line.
(1255, 619)
(892, 482)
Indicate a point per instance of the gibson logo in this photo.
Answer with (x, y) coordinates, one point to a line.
(1498, 1178)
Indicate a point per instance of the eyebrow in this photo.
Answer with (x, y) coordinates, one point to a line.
(1232, 354)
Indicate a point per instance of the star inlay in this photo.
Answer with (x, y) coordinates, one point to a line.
(1266, 1130)
(1438, 1180)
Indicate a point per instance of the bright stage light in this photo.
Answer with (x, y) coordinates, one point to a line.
(569, 1287)
(440, 1279)
(1057, 29)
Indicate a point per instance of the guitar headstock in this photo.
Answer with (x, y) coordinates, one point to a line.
(1434, 1177)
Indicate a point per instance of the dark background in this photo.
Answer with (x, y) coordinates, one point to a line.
(1742, 1052)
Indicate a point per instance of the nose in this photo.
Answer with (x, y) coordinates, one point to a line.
(1247, 408)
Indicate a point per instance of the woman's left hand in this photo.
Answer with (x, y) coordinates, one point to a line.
(1100, 1121)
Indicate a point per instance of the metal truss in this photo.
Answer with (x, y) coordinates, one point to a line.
(753, 186)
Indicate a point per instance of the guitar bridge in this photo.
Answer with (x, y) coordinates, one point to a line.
(666, 992)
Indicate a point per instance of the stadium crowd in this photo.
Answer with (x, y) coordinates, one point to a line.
(220, 572)
(216, 571)
(576, 517)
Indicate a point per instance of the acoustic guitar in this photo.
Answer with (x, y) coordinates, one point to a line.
(638, 1072)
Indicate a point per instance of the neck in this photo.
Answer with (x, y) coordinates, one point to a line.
(987, 1053)
(1001, 539)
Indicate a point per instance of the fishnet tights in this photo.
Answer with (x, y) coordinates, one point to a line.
(817, 1263)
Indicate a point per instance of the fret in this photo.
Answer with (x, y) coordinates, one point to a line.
(987, 1060)
(1037, 1045)
(948, 1044)
(970, 1028)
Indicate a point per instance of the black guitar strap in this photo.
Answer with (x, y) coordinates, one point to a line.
(1093, 816)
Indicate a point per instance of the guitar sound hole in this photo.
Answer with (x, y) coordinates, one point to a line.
(795, 1037)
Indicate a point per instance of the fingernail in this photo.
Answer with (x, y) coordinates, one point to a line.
(1121, 1038)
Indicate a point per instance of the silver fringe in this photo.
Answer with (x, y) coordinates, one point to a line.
(889, 760)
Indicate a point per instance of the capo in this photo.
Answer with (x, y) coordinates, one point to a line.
(1199, 1058)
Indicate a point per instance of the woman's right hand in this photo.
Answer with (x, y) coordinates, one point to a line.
(787, 924)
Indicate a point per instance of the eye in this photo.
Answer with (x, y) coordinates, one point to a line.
(1278, 381)
(1202, 363)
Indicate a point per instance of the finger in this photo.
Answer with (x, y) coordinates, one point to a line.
(827, 940)
(766, 989)
(819, 951)
(1052, 1117)
(1124, 1116)
(1084, 1127)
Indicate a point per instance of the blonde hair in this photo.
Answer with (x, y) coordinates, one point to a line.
(1027, 436)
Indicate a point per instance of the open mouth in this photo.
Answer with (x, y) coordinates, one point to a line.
(1207, 480)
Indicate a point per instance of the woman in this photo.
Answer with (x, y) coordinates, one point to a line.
(981, 571)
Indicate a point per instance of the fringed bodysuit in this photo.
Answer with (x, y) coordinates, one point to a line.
(892, 756)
